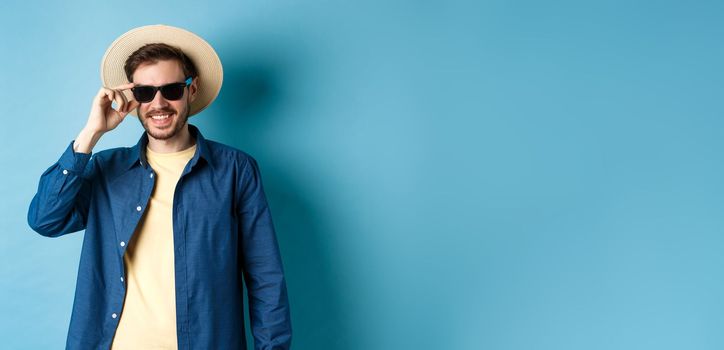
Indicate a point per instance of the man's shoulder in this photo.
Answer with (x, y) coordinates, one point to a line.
(222, 152)
(111, 158)
(113, 154)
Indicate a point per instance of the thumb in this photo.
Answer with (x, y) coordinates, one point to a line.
(133, 104)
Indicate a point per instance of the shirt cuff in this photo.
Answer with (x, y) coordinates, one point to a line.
(74, 161)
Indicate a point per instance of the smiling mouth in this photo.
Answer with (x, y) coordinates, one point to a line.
(160, 115)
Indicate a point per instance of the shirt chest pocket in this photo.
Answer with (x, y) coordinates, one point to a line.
(204, 210)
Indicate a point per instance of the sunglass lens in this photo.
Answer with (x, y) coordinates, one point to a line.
(143, 93)
(173, 92)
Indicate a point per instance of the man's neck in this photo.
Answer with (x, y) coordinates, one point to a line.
(179, 142)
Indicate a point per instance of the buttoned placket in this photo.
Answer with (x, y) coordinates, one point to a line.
(179, 253)
(180, 262)
(123, 244)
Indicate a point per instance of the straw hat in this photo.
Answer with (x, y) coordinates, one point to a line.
(197, 49)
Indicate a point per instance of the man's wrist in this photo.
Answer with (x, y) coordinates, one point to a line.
(86, 140)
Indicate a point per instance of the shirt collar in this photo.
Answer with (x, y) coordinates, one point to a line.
(138, 154)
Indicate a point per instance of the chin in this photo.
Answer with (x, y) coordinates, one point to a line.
(166, 132)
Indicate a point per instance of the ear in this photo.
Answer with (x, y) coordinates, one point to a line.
(193, 89)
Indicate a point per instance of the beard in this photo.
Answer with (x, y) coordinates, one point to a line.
(178, 121)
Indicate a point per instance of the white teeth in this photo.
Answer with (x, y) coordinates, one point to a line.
(159, 117)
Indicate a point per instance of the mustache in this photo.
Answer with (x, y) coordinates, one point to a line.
(160, 111)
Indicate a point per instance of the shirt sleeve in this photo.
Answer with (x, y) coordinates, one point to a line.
(262, 265)
(60, 205)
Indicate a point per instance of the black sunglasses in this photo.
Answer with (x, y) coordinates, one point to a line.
(171, 92)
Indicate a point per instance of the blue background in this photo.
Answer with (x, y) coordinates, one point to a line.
(442, 175)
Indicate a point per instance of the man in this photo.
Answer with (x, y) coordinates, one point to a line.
(174, 224)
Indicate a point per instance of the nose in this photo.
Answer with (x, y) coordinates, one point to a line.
(158, 102)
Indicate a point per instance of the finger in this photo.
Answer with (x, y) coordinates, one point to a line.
(120, 100)
(112, 96)
(133, 104)
(107, 95)
(102, 93)
(125, 102)
(130, 105)
(124, 86)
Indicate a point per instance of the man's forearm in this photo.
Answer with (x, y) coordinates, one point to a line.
(86, 140)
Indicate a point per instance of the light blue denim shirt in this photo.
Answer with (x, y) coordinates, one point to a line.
(223, 235)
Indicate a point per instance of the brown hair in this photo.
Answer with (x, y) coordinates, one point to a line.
(152, 53)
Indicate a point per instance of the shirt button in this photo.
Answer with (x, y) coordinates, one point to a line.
(123, 244)
(65, 172)
(150, 175)
(114, 315)
(138, 208)
(121, 278)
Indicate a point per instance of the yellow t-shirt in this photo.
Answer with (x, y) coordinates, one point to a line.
(148, 319)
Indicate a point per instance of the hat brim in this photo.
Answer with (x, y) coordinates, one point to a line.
(204, 57)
